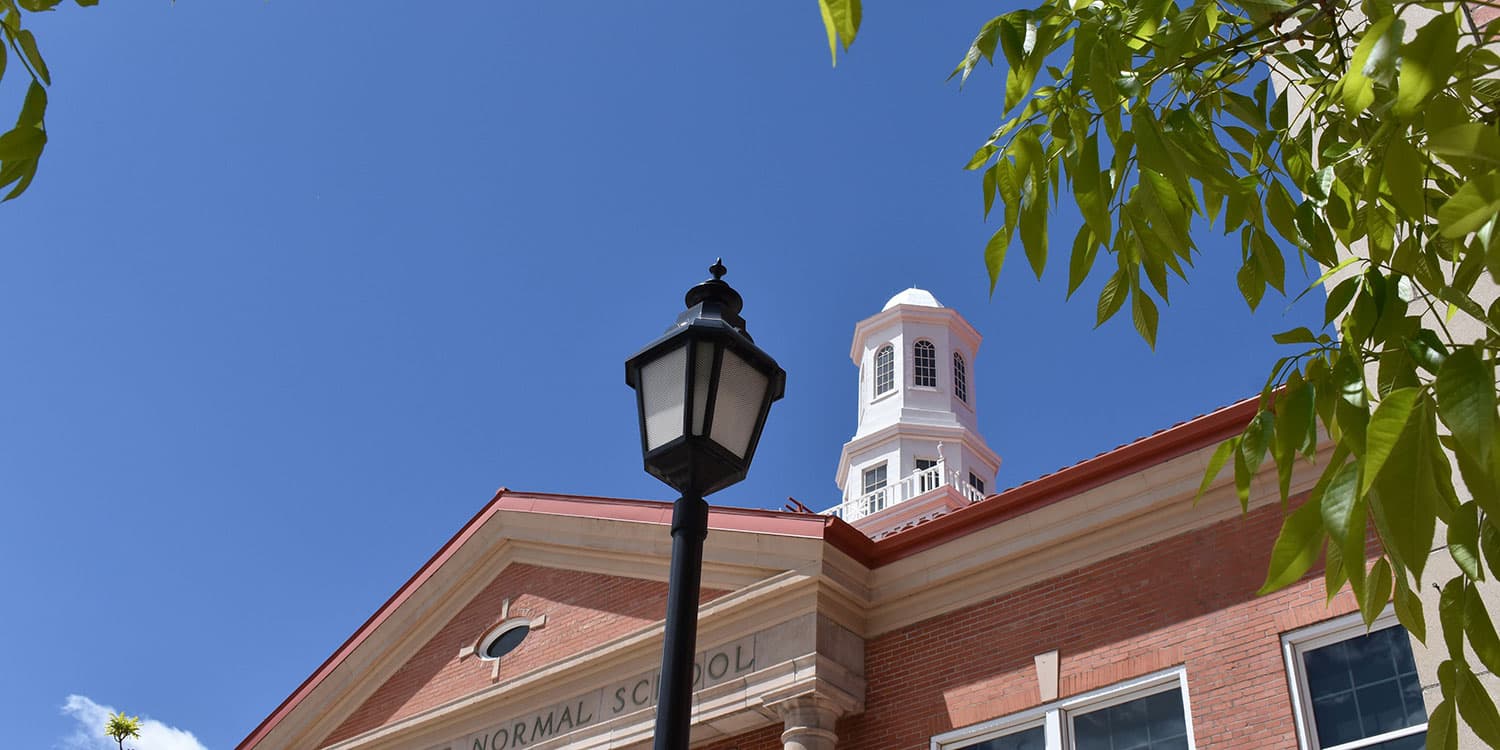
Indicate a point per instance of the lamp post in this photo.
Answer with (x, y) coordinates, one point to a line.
(703, 391)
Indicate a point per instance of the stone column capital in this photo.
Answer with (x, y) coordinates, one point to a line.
(809, 720)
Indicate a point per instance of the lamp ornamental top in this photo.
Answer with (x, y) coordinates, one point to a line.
(720, 298)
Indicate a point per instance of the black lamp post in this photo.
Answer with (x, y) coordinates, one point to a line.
(703, 390)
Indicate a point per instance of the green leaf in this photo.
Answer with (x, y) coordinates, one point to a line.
(22, 143)
(33, 55)
(1296, 547)
(1465, 390)
(994, 254)
(1426, 63)
(1469, 141)
(1386, 425)
(1281, 212)
(1405, 174)
(1463, 540)
(1489, 543)
(841, 21)
(1088, 190)
(34, 107)
(1442, 728)
(1034, 230)
(1112, 298)
(1334, 576)
(1377, 591)
(1409, 610)
(989, 188)
(1251, 283)
(1451, 614)
(1471, 207)
(1343, 510)
(1427, 350)
(1216, 465)
(1413, 489)
(1370, 62)
(1338, 299)
(1081, 262)
(1300, 335)
(1481, 630)
(1476, 706)
(1268, 257)
(1143, 313)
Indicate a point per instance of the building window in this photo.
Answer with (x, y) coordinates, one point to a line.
(960, 378)
(1355, 689)
(976, 482)
(503, 639)
(875, 492)
(924, 364)
(1151, 722)
(927, 475)
(1148, 713)
(874, 478)
(885, 369)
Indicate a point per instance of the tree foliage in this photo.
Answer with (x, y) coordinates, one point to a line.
(1359, 138)
(21, 146)
(121, 727)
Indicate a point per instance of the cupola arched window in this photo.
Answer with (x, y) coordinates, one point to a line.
(924, 364)
(960, 378)
(885, 369)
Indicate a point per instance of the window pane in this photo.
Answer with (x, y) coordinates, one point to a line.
(1416, 741)
(960, 378)
(1364, 687)
(885, 370)
(1026, 739)
(1373, 657)
(924, 364)
(1327, 670)
(1155, 722)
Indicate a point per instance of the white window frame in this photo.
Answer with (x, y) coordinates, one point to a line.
(875, 365)
(934, 480)
(961, 377)
(1327, 633)
(916, 362)
(1056, 718)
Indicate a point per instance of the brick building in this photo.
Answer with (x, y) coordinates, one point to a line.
(1096, 607)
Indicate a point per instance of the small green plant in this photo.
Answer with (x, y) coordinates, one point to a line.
(121, 726)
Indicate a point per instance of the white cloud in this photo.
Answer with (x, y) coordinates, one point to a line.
(89, 732)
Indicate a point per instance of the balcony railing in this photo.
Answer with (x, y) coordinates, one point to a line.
(916, 483)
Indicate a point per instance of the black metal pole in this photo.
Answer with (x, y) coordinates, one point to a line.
(674, 705)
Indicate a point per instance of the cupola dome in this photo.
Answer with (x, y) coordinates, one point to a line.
(912, 296)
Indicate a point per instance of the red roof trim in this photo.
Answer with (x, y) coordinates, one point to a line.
(1106, 467)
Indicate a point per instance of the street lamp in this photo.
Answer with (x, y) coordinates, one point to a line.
(703, 391)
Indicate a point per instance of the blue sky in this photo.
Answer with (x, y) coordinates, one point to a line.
(301, 284)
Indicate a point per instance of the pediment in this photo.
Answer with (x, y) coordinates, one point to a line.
(578, 611)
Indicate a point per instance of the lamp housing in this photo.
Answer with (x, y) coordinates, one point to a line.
(703, 391)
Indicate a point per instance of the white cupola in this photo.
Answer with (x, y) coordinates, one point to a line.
(917, 438)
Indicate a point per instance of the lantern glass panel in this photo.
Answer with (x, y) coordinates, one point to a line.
(702, 373)
(663, 389)
(742, 391)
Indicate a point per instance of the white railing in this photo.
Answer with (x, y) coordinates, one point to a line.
(916, 483)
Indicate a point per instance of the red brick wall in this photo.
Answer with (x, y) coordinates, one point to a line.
(582, 609)
(1187, 600)
(768, 738)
